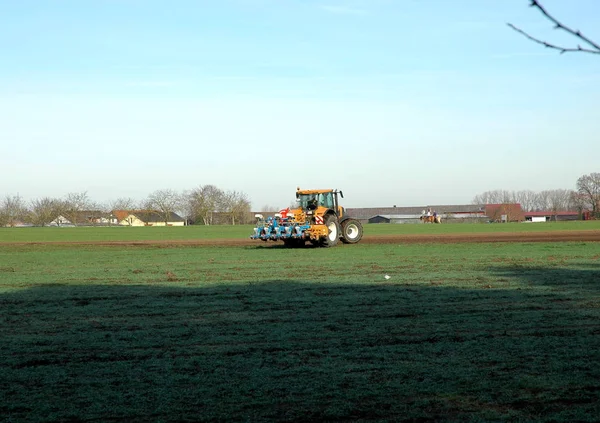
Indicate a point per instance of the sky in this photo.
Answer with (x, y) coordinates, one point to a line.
(396, 102)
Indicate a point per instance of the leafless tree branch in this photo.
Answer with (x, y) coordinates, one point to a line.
(558, 25)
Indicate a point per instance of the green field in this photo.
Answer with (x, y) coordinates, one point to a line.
(244, 231)
(459, 332)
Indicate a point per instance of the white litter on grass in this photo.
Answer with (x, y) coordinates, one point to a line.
(387, 276)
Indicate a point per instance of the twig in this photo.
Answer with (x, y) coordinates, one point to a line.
(559, 25)
(547, 44)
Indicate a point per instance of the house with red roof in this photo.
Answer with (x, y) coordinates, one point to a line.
(510, 212)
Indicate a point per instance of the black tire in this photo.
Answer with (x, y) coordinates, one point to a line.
(333, 227)
(352, 231)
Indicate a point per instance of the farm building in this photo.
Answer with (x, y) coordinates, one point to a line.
(120, 215)
(395, 218)
(83, 218)
(461, 212)
(468, 212)
(386, 214)
(94, 217)
(548, 216)
(60, 221)
(454, 213)
(17, 224)
(148, 218)
(504, 212)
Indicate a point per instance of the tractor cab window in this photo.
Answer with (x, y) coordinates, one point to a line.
(307, 200)
(312, 201)
(326, 200)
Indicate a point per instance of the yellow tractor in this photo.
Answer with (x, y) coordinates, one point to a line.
(318, 218)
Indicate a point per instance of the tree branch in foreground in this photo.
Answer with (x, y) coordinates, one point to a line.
(558, 25)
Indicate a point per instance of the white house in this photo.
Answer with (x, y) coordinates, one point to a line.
(151, 218)
(61, 221)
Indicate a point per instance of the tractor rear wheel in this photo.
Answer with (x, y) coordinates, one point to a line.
(352, 231)
(333, 231)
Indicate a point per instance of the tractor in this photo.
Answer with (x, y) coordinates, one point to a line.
(318, 219)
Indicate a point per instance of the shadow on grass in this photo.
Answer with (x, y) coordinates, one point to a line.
(295, 351)
(585, 279)
(280, 245)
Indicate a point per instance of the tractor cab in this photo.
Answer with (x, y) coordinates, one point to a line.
(311, 201)
(319, 201)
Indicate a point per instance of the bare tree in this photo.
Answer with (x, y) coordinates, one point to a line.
(554, 200)
(542, 201)
(44, 210)
(203, 202)
(237, 206)
(594, 48)
(578, 202)
(166, 202)
(122, 203)
(12, 210)
(497, 196)
(572, 204)
(484, 198)
(558, 200)
(74, 204)
(588, 186)
(526, 198)
(508, 197)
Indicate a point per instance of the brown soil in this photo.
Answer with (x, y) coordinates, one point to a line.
(550, 236)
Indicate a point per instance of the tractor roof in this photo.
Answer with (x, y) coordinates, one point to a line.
(313, 191)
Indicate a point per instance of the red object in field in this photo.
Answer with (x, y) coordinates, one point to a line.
(284, 213)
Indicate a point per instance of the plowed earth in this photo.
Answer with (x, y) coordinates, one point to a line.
(550, 236)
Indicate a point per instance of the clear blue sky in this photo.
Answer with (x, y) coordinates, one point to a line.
(405, 102)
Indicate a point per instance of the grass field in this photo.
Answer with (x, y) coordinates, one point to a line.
(459, 332)
(244, 231)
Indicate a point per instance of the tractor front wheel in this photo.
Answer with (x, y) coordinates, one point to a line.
(333, 231)
(352, 231)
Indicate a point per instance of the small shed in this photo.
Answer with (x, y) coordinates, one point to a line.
(395, 218)
(548, 216)
(370, 214)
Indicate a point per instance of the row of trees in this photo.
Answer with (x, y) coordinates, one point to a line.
(40, 212)
(202, 205)
(549, 200)
(586, 196)
(208, 204)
